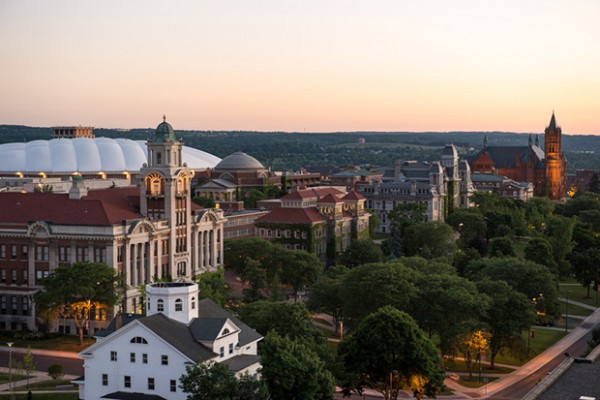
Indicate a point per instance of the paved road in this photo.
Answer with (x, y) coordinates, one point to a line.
(520, 389)
(71, 365)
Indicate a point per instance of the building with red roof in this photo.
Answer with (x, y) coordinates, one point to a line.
(146, 232)
(321, 220)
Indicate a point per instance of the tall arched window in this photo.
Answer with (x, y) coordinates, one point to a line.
(178, 305)
(160, 305)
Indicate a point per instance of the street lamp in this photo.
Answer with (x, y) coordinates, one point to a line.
(10, 345)
(567, 312)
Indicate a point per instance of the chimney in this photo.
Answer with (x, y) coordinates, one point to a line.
(77, 190)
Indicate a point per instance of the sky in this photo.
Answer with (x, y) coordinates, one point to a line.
(303, 65)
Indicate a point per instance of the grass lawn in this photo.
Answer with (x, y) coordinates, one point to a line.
(43, 396)
(61, 343)
(46, 385)
(543, 339)
(460, 366)
(5, 378)
(578, 293)
(575, 310)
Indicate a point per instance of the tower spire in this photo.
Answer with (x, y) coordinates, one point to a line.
(530, 140)
(485, 142)
(552, 121)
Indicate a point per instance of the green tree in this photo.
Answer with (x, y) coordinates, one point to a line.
(256, 277)
(388, 352)
(212, 285)
(368, 287)
(471, 226)
(79, 289)
(585, 264)
(292, 370)
(594, 185)
(361, 251)
(502, 247)
(287, 319)
(531, 279)
(56, 371)
(29, 364)
(539, 250)
(509, 313)
(300, 268)
(559, 231)
(326, 295)
(213, 381)
(203, 201)
(429, 240)
(451, 299)
(401, 218)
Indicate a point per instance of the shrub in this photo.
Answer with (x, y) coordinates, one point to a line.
(56, 371)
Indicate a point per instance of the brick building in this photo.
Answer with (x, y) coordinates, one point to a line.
(146, 232)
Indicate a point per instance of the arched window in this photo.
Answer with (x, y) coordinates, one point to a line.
(225, 331)
(138, 340)
(178, 305)
(160, 305)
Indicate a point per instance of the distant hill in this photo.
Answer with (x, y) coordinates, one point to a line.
(292, 150)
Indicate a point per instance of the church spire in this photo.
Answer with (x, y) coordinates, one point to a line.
(485, 142)
(530, 140)
(537, 140)
(552, 122)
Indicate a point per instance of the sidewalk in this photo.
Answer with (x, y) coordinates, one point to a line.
(577, 303)
(533, 365)
(36, 376)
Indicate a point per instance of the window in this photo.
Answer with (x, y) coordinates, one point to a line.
(178, 305)
(120, 254)
(230, 348)
(138, 340)
(104, 379)
(3, 275)
(173, 385)
(13, 251)
(222, 352)
(113, 356)
(150, 383)
(164, 359)
(13, 275)
(132, 357)
(3, 251)
(144, 358)
(127, 381)
(193, 303)
(160, 305)
(24, 251)
(64, 253)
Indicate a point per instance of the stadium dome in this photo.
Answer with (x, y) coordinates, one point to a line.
(85, 155)
(239, 161)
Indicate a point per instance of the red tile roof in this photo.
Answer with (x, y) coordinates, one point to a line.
(317, 192)
(293, 216)
(354, 195)
(99, 207)
(330, 199)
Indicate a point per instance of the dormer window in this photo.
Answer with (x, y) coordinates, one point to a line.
(178, 305)
(225, 331)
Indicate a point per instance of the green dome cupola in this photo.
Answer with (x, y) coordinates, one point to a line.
(164, 132)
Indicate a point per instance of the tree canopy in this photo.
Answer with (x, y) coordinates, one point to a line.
(388, 352)
(79, 289)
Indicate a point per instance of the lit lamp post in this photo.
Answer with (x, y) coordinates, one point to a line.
(567, 312)
(10, 345)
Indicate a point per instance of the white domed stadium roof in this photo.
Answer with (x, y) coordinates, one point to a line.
(88, 155)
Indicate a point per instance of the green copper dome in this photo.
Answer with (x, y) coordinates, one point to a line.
(164, 132)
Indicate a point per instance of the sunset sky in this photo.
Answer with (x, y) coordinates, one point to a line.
(304, 65)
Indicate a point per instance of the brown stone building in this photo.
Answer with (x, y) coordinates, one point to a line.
(546, 169)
